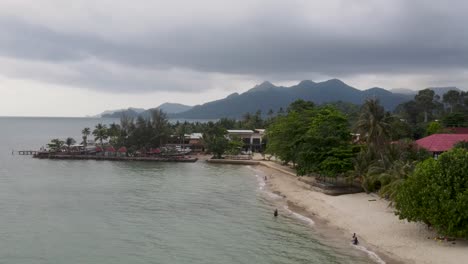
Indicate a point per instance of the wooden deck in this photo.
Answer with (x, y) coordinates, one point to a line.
(115, 158)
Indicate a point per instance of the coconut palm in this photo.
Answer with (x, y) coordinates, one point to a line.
(100, 133)
(85, 132)
(372, 123)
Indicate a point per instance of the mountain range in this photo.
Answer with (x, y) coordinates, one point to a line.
(267, 96)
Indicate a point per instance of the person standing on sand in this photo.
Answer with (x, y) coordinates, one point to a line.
(276, 213)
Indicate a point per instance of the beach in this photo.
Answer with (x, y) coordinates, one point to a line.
(379, 230)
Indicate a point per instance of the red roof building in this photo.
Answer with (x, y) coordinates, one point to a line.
(110, 149)
(122, 150)
(98, 149)
(441, 142)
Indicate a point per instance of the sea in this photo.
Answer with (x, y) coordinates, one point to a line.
(57, 211)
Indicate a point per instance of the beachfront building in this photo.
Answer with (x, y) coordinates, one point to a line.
(193, 141)
(439, 143)
(253, 139)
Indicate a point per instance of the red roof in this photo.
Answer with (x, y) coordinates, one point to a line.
(110, 149)
(122, 150)
(155, 151)
(98, 149)
(441, 142)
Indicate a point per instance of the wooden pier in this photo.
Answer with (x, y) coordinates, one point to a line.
(27, 152)
(114, 158)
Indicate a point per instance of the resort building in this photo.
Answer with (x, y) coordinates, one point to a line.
(438, 143)
(253, 139)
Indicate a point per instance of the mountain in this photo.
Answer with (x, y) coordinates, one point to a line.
(169, 108)
(267, 96)
(111, 112)
(174, 108)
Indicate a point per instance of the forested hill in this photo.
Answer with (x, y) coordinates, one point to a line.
(266, 97)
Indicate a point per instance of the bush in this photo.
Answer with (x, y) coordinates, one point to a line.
(436, 193)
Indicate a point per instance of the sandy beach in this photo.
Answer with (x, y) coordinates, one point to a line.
(379, 230)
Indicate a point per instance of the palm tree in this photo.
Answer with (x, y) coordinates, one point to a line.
(372, 123)
(100, 133)
(85, 132)
(69, 141)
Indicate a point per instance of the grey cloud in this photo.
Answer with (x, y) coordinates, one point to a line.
(418, 37)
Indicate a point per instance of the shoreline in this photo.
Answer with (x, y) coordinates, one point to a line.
(379, 230)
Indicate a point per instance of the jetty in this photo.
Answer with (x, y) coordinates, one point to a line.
(115, 158)
(27, 152)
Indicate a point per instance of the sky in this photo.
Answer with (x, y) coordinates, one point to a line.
(77, 58)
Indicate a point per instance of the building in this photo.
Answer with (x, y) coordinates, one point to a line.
(253, 139)
(438, 143)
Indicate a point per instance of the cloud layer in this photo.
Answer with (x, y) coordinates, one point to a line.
(188, 46)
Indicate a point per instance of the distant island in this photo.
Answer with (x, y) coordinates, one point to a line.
(169, 108)
(269, 98)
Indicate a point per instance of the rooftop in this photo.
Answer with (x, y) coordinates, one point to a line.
(441, 142)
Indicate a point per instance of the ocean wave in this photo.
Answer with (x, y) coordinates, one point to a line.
(299, 216)
(371, 254)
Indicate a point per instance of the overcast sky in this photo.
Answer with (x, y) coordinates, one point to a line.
(81, 57)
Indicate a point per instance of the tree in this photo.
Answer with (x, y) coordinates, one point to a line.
(215, 139)
(160, 126)
(56, 144)
(69, 141)
(425, 101)
(234, 146)
(452, 98)
(436, 193)
(285, 134)
(100, 133)
(326, 146)
(373, 123)
(462, 144)
(85, 132)
(433, 127)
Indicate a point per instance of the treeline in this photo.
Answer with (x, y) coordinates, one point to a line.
(376, 149)
(429, 113)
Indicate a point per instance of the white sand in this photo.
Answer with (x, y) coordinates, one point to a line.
(374, 222)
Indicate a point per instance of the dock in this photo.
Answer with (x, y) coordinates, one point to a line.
(27, 152)
(116, 158)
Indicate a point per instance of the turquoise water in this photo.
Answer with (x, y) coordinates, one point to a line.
(127, 212)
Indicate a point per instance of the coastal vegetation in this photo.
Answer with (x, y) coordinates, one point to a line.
(437, 194)
(337, 143)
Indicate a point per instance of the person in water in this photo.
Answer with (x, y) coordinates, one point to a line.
(275, 213)
(355, 240)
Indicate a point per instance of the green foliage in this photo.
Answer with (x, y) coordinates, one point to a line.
(373, 123)
(235, 145)
(55, 144)
(326, 147)
(315, 139)
(462, 145)
(69, 141)
(433, 127)
(215, 139)
(436, 193)
(285, 134)
(456, 119)
(85, 132)
(100, 133)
